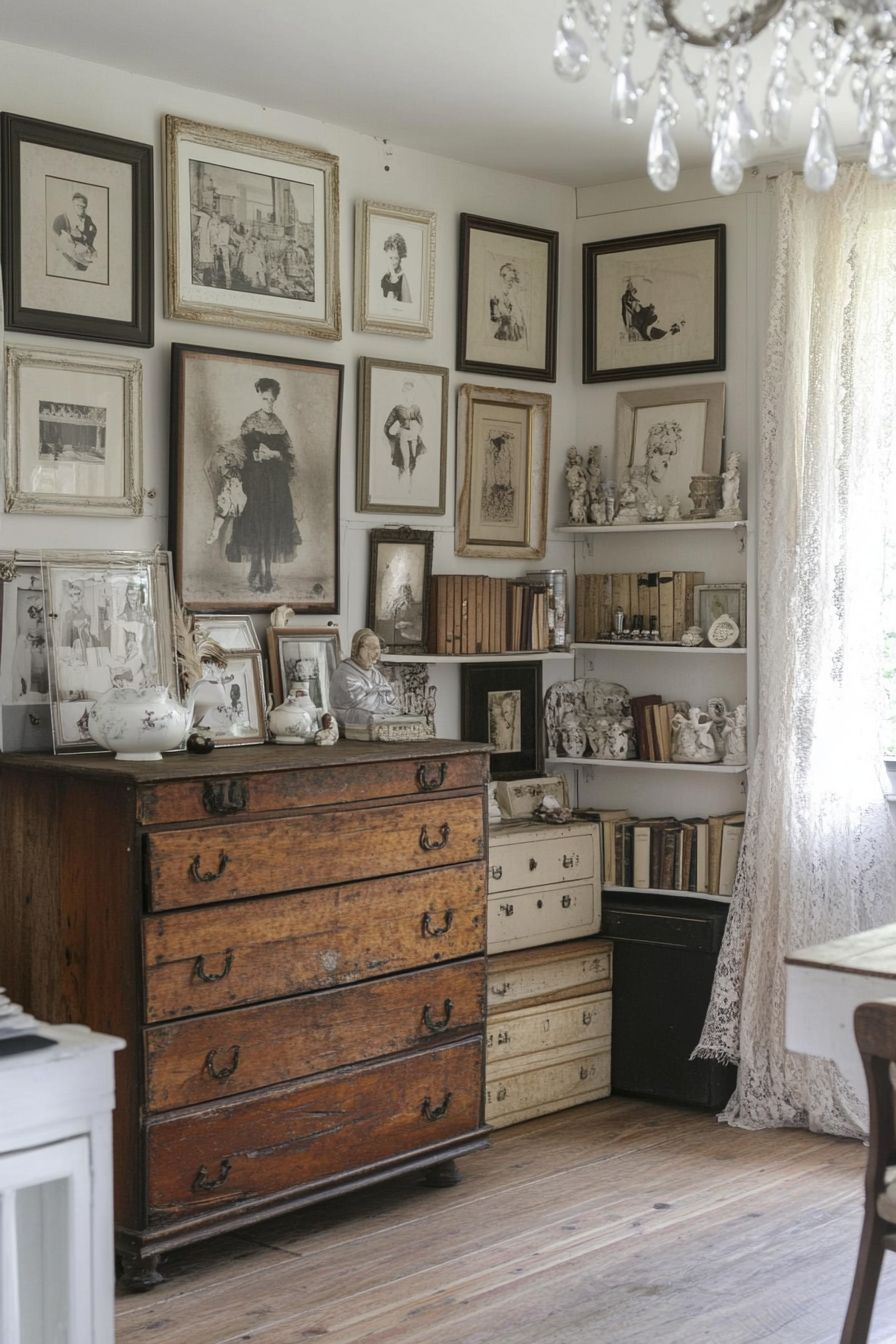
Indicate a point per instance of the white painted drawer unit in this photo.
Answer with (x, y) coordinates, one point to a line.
(543, 885)
(548, 1029)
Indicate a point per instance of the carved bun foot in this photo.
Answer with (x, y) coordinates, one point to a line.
(443, 1175)
(138, 1274)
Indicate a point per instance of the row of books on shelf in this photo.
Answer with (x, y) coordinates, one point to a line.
(664, 597)
(698, 854)
(477, 613)
(652, 717)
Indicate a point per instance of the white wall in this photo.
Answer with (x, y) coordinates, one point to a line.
(76, 93)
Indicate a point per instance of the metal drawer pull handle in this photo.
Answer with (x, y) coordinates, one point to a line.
(225, 795)
(568, 861)
(566, 902)
(430, 1112)
(435, 1027)
(430, 932)
(434, 780)
(202, 1181)
(533, 864)
(223, 860)
(208, 976)
(496, 871)
(228, 1070)
(427, 844)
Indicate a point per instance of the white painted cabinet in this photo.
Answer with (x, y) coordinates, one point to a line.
(543, 884)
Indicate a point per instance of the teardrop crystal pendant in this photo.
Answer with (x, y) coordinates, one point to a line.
(624, 98)
(882, 155)
(726, 172)
(662, 156)
(820, 165)
(778, 110)
(571, 59)
(742, 133)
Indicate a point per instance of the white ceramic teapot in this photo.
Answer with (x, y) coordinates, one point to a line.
(138, 725)
(297, 720)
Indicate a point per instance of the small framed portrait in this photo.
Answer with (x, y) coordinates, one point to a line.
(402, 437)
(395, 269)
(252, 231)
(238, 720)
(507, 303)
(505, 438)
(500, 703)
(24, 678)
(109, 624)
(308, 656)
(666, 436)
(73, 432)
(77, 233)
(398, 592)
(254, 483)
(654, 305)
(235, 634)
(713, 600)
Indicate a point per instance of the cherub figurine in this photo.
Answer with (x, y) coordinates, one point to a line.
(628, 511)
(597, 504)
(730, 509)
(577, 483)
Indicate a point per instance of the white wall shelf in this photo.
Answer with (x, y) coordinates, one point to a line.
(713, 768)
(639, 646)
(686, 525)
(518, 655)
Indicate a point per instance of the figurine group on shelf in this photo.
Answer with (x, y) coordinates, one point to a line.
(711, 735)
(589, 717)
(597, 502)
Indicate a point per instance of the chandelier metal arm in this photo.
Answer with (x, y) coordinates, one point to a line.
(741, 26)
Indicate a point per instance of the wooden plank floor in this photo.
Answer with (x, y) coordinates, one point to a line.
(619, 1222)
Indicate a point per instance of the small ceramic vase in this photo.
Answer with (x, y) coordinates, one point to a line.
(706, 494)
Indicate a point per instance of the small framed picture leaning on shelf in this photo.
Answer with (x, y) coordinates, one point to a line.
(501, 703)
(664, 437)
(398, 589)
(304, 655)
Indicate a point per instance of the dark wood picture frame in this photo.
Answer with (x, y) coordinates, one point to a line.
(507, 299)
(23, 313)
(498, 698)
(398, 603)
(211, 396)
(638, 325)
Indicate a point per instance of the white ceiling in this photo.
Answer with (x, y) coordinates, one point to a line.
(467, 79)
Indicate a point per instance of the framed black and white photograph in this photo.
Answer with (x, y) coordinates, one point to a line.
(304, 655)
(395, 269)
(712, 600)
(73, 432)
(77, 233)
(254, 483)
(24, 677)
(235, 634)
(238, 720)
(504, 440)
(654, 305)
(252, 231)
(398, 591)
(667, 435)
(109, 624)
(402, 437)
(500, 703)
(507, 301)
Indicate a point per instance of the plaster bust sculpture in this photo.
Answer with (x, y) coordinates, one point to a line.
(359, 693)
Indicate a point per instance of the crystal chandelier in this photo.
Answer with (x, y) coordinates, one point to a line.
(816, 45)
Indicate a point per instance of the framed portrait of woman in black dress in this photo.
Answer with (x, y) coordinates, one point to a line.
(254, 483)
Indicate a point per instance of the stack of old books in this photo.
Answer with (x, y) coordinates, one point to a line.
(663, 599)
(697, 854)
(477, 613)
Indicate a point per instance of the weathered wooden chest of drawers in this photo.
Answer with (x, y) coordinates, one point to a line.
(291, 941)
(543, 884)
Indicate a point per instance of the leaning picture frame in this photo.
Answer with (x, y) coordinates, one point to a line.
(712, 600)
(395, 269)
(668, 435)
(74, 438)
(239, 719)
(298, 653)
(24, 685)
(402, 437)
(254, 480)
(77, 232)
(252, 231)
(507, 299)
(398, 589)
(654, 305)
(504, 440)
(501, 703)
(234, 634)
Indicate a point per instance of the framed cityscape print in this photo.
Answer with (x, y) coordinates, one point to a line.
(73, 432)
(77, 233)
(505, 438)
(501, 703)
(402, 437)
(654, 305)
(395, 269)
(254, 480)
(507, 301)
(398, 591)
(252, 232)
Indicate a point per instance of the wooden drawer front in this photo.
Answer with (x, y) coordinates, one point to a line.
(528, 918)
(522, 1088)
(228, 1053)
(246, 1148)
(541, 860)
(197, 961)
(285, 790)
(582, 1021)
(544, 974)
(223, 863)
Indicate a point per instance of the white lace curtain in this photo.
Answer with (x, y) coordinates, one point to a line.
(819, 857)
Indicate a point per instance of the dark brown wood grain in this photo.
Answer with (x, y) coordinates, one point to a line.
(280, 945)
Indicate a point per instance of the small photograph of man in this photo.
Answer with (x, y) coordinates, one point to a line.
(77, 246)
